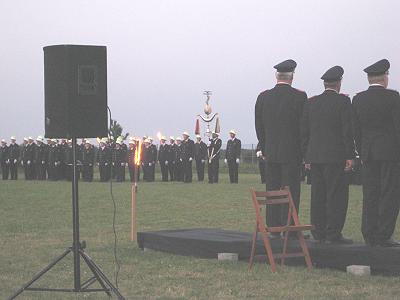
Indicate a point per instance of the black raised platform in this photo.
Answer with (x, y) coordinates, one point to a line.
(207, 243)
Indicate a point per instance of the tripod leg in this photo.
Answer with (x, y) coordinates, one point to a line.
(40, 274)
(94, 271)
(100, 273)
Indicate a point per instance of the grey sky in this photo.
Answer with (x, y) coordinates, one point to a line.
(163, 54)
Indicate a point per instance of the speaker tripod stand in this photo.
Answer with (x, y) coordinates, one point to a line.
(77, 249)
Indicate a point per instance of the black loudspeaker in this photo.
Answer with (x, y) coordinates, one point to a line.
(75, 91)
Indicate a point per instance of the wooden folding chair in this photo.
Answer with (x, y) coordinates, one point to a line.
(281, 197)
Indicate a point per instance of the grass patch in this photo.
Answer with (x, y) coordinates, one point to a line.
(35, 226)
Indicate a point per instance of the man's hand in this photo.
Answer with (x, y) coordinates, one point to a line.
(349, 165)
(237, 160)
(225, 160)
(307, 166)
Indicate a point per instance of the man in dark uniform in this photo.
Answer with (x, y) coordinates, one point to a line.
(87, 160)
(153, 155)
(377, 136)
(172, 158)
(14, 158)
(278, 114)
(163, 153)
(232, 156)
(213, 157)
(261, 163)
(62, 167)
(68, 160)
(40, 159)
(29, 159)
(22, 156)
(4, 159)
(103, 160)
(328, 147)
(119, 161)
(179, 160)
(187, 157)
(200, 155)
(147, 161)
(53, 160)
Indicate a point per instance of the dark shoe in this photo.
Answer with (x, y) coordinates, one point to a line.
(389, 243)
(340, 241)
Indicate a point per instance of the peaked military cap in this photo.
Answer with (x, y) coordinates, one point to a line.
(286, 66)
(378, 68)
(333, 74)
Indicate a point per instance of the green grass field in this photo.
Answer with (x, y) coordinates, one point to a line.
(35, 226)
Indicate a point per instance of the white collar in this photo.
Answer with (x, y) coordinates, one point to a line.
(282, 82)
(329, 89)
(376, 84)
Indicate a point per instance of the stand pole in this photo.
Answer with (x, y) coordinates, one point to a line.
(133, 206)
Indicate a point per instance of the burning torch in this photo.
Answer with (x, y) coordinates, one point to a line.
(136, 165)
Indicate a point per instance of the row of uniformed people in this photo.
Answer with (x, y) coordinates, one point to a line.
(53, 160)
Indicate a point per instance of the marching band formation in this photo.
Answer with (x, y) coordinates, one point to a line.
(53, 159)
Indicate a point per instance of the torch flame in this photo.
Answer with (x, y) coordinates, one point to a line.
(138, 152)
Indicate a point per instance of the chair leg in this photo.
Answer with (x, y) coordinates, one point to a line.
(268, 249)
(285, 242)
(304, 247)
(253, 248)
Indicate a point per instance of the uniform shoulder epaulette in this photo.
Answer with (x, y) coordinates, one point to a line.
(346, 95)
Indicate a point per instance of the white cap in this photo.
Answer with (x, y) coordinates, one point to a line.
(215, 133)
(131, 141)
(3, 141)
(25, 139)
(186, 133)
(39, 138)
(232, 131)
(198, 136)
(172, 138)
(54, 140)
(13, 138)
(104, 140)
(87, 142)
(150, 138)
(30, 138)
(163, 138)
(179, 138)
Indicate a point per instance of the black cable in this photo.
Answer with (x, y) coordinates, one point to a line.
(117, 265)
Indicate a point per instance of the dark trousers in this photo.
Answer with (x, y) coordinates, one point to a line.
(119, 172)
(380, 200)
(29, 171)
(213, 171)
(87, 173)
(233, 168)
(187, 171)
(68, 172)
(40, 171)
(329, 200)
(5, 168)
(261, 167)
(164, 171)
(178, 171)
(277, 176)
(171, 169)
(105, 172)
(52, 172)
(14, 170)
(148, 174)
(200, 169)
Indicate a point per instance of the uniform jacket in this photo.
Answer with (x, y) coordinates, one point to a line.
(377, 124)
(214, 149)
(14, 151)
(187, 149)
(87, 156)
(200, 151)
(277, 121)
(103, 156)
(163, 152)
(233, 148)
(327, 135)
(4, 154)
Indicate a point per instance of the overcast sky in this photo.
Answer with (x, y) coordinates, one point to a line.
(163, 54)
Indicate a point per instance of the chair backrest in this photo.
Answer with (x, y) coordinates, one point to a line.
(279, 197)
